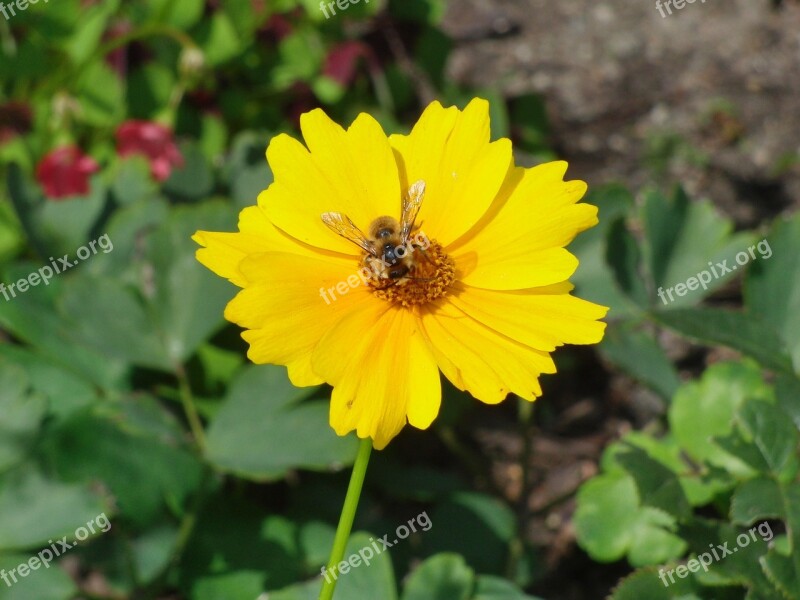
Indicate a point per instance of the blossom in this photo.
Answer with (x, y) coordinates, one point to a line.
(152, 140)
(487, 303)
(341, 62)
(65, 172)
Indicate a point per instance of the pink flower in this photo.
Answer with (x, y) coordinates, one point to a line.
(153, 141)
(278, 27)
(342, 61)
(65, 172)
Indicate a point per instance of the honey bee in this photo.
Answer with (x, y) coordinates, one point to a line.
(388, 252)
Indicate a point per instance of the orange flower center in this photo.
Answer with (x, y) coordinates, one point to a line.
(422, 275)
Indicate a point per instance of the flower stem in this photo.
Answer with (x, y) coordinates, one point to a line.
(189, 408)
(346, 518)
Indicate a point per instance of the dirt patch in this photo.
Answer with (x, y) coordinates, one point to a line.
(709, 96)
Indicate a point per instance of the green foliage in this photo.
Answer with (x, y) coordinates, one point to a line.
(731, 449)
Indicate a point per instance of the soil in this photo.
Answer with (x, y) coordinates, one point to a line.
(717, 81)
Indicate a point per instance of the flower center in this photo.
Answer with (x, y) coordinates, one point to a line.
(425, 274)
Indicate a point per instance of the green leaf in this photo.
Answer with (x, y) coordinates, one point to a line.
(148, 475)
(247, 171)
(593, 275)
(213, 137)
(495, 588)
(498, 113)
(772, 287)
(623, 256)
(783, 567)
(756, 500)
(54, 228)
(22, 414)
(87, 36)
(736, 330)
(42, 584)
(65, 391)
(426, 11)
(610, 523)
(416, 483)
(649, 584)
(638, 354)
(681, 238)
(301, 591)
(101, 95)
(67, 225)
(237, 548)
(442, 577)
(475, 526)
(263, 429)
(119, 326)
(194, 180)
(739, 565)
(301, 56)
(781, 572)
(150, 87)
(129, 228)
(153, 550)
(186, 300)
(34, 509)
(37, 322)
(238, 585)
(132, 181)
(787, 389)
(700, 486)
(770, 440)
(373, 577)
(182, 15)
(705, 409)
(530, 124)
(605, 516)
(218, 39)
(658, 487)
(316, 540)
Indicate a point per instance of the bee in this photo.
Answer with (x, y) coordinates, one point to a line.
(388, 253)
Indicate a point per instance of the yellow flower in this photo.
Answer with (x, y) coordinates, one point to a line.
(486, 302)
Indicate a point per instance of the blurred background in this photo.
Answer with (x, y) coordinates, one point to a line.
(125, 127)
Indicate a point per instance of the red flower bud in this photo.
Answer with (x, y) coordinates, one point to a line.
(65, 172)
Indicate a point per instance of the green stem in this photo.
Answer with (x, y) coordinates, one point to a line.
(195, 424)
(517, 545)
(346, 518)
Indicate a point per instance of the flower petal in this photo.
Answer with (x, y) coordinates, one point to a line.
(352, 172)
(290, 303)
(382, 372)
(481, 361)
(542, 318)
(520, 243)
(222, 252)
(463, 172)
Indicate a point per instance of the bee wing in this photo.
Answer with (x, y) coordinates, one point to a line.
(344, 226)
(410, 208)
